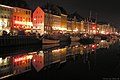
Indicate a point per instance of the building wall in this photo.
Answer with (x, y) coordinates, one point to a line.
(21, 63)
(69, 26)
(63, 22)
(5, 66)
(5, 18)
(38, 20)
(48, 22)
(105, 28)
(82, 26)
(56, 25)
(22, 19)
(78, 26)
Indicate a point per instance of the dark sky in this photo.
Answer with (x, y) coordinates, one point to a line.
(106, 10)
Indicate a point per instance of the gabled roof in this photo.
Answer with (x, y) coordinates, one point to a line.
(63, 11)
(101, 23)
(90, 19)
(75, 15)
(50, 8)
(15, 3)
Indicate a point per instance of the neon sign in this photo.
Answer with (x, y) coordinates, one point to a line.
(23, 58)
(24, 23)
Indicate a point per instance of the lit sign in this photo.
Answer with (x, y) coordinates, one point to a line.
(23, 58)
(23, 23)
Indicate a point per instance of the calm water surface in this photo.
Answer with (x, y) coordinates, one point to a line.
(61, 61)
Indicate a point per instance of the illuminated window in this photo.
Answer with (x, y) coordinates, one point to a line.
(29, 12)
(18, 18)
(29, 20)
(26, 12)
(37, 12)
(14, 17)
(2, 16)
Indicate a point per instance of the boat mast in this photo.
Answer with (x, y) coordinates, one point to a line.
(89, 19)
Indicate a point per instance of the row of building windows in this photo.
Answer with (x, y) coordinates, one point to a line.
(6, 9)
(19, 63)
(37, 22)
(37, 17)
(47, 28)
(22, 19)
(5, 73)
(23, 11)
(18, 70)
(4, 66)
(5, 16)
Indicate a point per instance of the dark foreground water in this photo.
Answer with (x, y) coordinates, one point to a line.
(100, 61)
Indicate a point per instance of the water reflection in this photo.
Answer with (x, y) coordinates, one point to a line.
(42, 58)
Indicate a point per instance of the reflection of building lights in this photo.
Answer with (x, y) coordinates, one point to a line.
(23, 58)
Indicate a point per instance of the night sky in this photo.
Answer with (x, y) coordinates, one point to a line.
(106, 10)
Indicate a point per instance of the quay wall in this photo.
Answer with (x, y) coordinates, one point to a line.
(19, 41)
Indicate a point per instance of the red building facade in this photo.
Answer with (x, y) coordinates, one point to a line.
(38, 20)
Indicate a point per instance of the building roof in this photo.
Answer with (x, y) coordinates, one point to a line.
(101, 23)
(50, 8)
(15, 3)
(63, 11)
(75, 15)
(90, 19)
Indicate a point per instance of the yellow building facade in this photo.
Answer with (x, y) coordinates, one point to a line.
(6, 13)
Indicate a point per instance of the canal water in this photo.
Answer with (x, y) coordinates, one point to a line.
(100, 61)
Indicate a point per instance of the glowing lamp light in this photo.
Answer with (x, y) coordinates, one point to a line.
(84, 47)
(0, 60)
(93, 27)
(34, 18)
(34, 60)
(107, 32)
(93, 46)
(102, 32)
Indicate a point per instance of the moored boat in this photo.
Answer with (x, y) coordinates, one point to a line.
(74, 38)
(48, 41)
